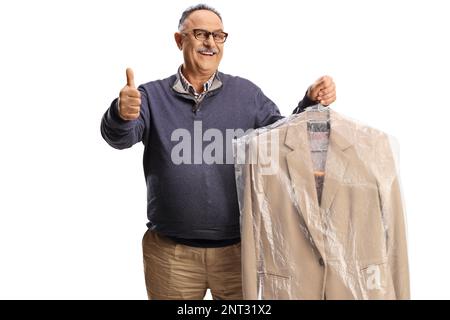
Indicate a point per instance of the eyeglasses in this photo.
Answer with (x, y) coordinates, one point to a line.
(202, 35)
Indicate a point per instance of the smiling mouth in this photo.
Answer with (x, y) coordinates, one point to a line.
(206, 53)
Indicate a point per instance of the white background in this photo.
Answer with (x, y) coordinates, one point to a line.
(73, 210)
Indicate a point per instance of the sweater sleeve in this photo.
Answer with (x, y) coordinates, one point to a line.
(303, 104)
(267, 111)
(122, 134)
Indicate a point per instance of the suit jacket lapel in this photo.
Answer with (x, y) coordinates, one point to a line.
(300, 169)
(301, 174)
(337, 160)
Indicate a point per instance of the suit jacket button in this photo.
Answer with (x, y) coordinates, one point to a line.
(321, 262)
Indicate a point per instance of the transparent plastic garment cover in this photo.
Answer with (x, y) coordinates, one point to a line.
(322, 215)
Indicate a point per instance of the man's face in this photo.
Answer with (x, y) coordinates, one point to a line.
(200, 56)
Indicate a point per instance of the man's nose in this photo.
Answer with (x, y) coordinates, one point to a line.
(209, 41)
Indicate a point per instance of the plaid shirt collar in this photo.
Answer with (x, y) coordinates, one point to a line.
(188, 87)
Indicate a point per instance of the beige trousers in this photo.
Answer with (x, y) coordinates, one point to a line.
(177, 271)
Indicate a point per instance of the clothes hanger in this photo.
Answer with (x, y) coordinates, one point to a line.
(318, 117)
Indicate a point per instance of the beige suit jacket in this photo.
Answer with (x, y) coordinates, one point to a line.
(352, 246)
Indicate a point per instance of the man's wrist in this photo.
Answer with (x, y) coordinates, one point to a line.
(308, 99)
(115, 111)
(118, 109)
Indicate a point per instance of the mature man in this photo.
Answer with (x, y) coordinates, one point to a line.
(193, 237)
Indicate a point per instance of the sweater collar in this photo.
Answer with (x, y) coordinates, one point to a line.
(182, 85)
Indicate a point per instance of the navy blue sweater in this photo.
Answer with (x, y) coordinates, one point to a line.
(193, 200)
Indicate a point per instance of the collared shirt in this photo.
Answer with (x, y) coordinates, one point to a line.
(189, 88)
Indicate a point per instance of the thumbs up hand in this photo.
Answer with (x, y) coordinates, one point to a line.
(129, 99)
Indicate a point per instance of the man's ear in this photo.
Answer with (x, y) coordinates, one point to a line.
(179, 40)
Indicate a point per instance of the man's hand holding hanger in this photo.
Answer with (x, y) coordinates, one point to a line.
(323, 91)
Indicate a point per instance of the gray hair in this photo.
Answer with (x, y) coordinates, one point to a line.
(189, 10)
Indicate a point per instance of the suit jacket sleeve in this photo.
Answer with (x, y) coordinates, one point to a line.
(394, 220)
(248, 226)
